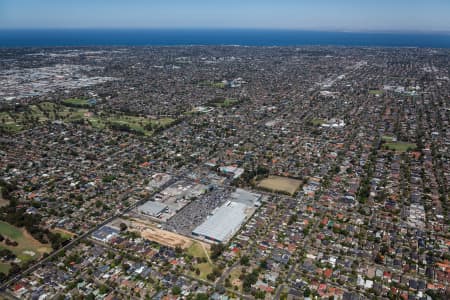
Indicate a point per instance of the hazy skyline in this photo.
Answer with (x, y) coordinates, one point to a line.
(352, 15)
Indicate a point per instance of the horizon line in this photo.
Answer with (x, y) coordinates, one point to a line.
(336, 30)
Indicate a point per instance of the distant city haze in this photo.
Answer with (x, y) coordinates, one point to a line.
(343, 15)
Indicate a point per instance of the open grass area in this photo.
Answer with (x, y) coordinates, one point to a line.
(11, 128)
(280, 184)
(234, 278)
(205, 270)
(28, 248)
(217, 84)
(47, 111)
(8, 124)
(10, 231)
(163, 121)
(400, 146)
(141, 125)
(66, 235)
(386, 138)
(196, 250)
(223, 102)
(32, 115)
(4, 268)
(376, 92)
(135, 124)
(317, 122)
(229, 102)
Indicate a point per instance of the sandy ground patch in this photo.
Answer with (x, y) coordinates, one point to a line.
(160, 236)
(3, 202)
(32, 242)
(280, 184)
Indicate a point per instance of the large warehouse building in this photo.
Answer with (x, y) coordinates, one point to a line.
(152, 209)
(224, 222)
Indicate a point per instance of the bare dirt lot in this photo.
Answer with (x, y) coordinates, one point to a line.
(160, 236)
(280, 184)
(3, 202)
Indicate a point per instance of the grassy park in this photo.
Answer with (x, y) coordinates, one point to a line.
(234, 278)
(223, 102)
(66, 235)
(386, 138)
(229, 102)
(137, 124)
(317, 122)
(196, 250)
(391, 144)
(8, 123)
(205, 269)
(4, 268)
(376, 92)
(214, 84)
(36, 114)
(400, 146)
(28, 248)
(199, 251)
(33, 115)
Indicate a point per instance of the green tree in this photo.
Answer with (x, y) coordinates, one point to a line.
(176, 290)
(245, 260)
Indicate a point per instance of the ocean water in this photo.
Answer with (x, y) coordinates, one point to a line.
(244, 37)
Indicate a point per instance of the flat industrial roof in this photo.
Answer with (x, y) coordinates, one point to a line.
(225, 221)
(152, 208)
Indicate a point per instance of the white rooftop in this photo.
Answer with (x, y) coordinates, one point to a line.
(152, 208)
(225, 221)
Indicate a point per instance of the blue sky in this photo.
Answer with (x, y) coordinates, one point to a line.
(357, 15)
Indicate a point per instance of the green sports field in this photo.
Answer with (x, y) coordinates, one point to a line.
(27, 249)
(400, 146)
